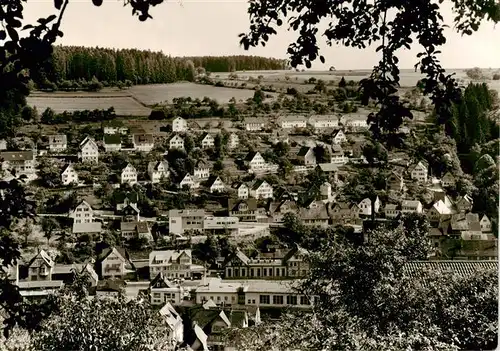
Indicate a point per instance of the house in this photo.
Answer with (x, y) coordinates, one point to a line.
(176, 142)
(306, 156)
(227, 225)
(448, 180)
(128, 209)
(256, 162)
(392, 210)
(419, 172)
(315, 215)
(277, 209)
(40, 267)
(128, 175)
(89, 151)
(173, 264)
(190, 182)
(19, 163)
(234, 141)
(411, 206)
(324, 121)
(439, 211)
(162, 290)
(185, 220)
(134, 230)
(83, 219)
(356, 122)
(143, 142)
(279, 136)
(216, 185)
(3, 144)
(114, 262)
(325, 192)
(338, 137)
(242, 190)
(254, 124)
(115, 130)
(174, 322)
(291, 122)
(485, 224)
(464, 203)
(179, 125)
(112, 142)
(202, 170)
(58, 143)
(337, 155)
(365, 206)
(395, 182)
(200, 343)
(344, 212)
(158, 170)
(261, 190)
(69, 175)
(245, 210)
(207, 141)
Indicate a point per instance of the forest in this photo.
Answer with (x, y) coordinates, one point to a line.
(109, 66)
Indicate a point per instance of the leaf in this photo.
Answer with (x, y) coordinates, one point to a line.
(58, 4)
(3, 35)
(322, 59)
(13, 34)
(97, 2)
(28, 26)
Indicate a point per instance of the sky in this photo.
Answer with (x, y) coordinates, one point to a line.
(211, 27)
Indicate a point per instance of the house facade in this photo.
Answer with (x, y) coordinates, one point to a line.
(338, 155)
(58, 143)
(216, 185)
(202, 170)
(89, 151)
(339, 137)
(326, 121)
(261, 190)
(69, 175)
(411, 206)
(185, 220)
(189, 181)
(291, 122)
(419, 172)
(173, 264)
(128, 175)
(162, 291)
(306, 156)
(114, 263)
(207, 141)
(112, 142)
(234, 141)
(143, 142)
(448, 180)
(158, 170)
(20, 163)
(243, 191)
(179, 125)
(176, 142)
(254, 124)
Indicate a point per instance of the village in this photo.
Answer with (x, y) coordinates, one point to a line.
(233, 183)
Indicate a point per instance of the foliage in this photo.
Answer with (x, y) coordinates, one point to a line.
(375, 153)
(475, 73)
(50, 117)
(392, 24)
(83, 323)
(365, 301)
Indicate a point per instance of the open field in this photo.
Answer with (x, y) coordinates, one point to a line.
(62, 101)
(157, 93)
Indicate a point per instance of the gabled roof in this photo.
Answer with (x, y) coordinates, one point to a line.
(234, 204)
(201, 163)
(44, 256)
(144, 139)
(212, 179)
(175, 136)
(463, 268)
(303, 151)
(157, 164)
(258, 183)
(57, 138)
(87, 140)
(251, 155)
(17, 155)
(337, 149)
(139, 227)
(209, 304)
(160, 281)
(320, 212)
(167, 256)
(129, 166)
(68, 167)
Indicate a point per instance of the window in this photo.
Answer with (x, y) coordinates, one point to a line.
(264, 299)
(304, 300)
(291, 300)
(277, 300)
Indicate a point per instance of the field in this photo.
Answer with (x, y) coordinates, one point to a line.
(157, 93)
(124, 104)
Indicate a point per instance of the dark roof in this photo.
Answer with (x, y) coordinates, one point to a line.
(16, 155)
(464, 268)
(250, 156)
(303, 151)
(251, 203)
(143, 138)
(112, 139)
(211, 180)
(160, 281)
(139, 227)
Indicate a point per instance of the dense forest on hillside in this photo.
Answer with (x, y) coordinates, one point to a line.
(77, 63)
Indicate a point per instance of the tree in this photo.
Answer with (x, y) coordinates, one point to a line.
(47, 116)
(102, 324)
(342, 83)
(375, 153)
(367, 301)
(496, 76)
(475, 73)
(49, 226)
(406, 22)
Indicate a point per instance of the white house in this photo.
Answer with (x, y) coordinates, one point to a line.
(202, 170)
(365, 206)
(176, 142)
(254, 124)
(216, 185)
(339, 137)
(291, 122)
(174, 323)
(419, 172)
(112, 142)
(261, 190)
(143, 142)
(158, 170)
(306, 156)
(114, 263)
(89, 151)
(256, 162)
(128, 175)
(179, 125)
(69, 175)
(163, 290)
(242, 191)
(325, 191)
(207, 141)
(324, 121)
(20, 163)
(58, 143)
(439, 211)
(338, 155)
(356, 122)
(83, 219)
(411, 206)
(233, 141)
(190, 181)
(448, 180)
(485, 224)
(392, 210)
